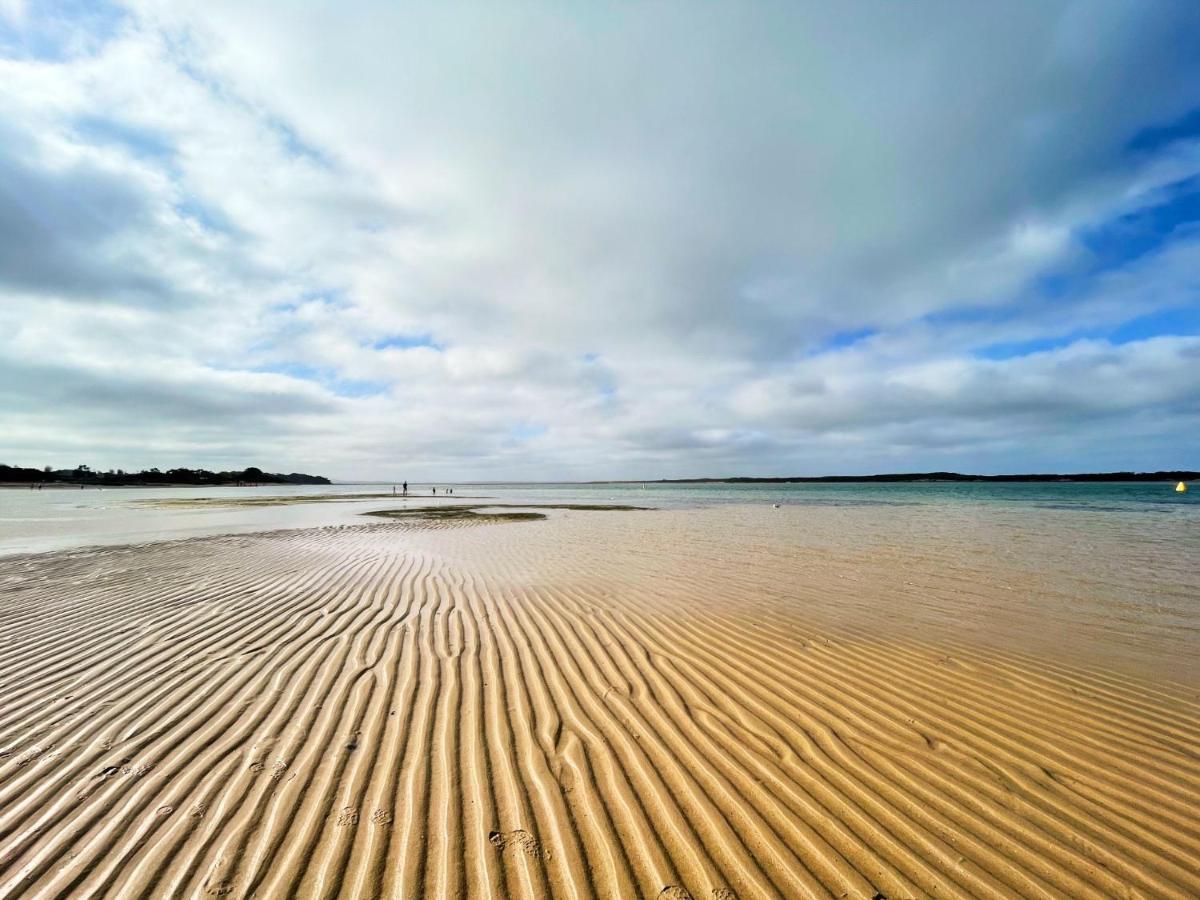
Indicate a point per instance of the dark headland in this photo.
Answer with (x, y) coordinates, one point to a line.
(120, 478)
(940, 476)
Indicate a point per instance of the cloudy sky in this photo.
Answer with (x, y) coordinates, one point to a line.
(552, 240)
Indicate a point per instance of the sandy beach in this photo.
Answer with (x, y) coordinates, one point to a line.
(739, 702)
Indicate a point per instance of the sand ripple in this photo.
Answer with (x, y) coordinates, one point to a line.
(381, 712)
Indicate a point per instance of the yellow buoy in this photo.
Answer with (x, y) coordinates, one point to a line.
(1181, 488)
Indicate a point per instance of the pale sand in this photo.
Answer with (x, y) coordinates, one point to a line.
(714, 704)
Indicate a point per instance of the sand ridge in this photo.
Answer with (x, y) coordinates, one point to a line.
(431, 709)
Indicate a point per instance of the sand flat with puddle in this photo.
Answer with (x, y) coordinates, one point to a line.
(712, 704)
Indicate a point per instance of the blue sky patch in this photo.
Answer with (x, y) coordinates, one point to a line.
(407, 342)
(208, 216)
(298, 148)
(1014, 349)
(841, 340)
(292, 370)
(327, 378)
(334, 299)
(1112, 246)
(1182, 320)
(142, 143)
(599, 374)
(1178, 321)
(524, 431)
(57, 30)
(1151, 140)
(1131, 236)
(349, 387)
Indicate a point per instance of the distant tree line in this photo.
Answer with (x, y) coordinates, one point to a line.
(83, 474)
(945, 476)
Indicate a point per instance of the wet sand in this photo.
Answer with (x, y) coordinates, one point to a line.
(741, 702)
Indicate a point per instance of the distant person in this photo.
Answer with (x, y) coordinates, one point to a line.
(406, 489)
(435, 492)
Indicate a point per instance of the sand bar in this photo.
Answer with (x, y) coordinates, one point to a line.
(709, 704)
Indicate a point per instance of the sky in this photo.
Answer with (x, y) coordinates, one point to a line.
(544, 241)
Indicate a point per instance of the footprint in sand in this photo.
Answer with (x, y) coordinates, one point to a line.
(198, 811)
(675, 892)
(36, 754)
(136, 771)
(521, 841)
(348, 817)
(381, 817)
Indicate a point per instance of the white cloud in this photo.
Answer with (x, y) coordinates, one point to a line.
(627, 231)
(14, 10)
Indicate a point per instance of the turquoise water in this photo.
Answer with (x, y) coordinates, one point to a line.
(32, 521)
(1116, 497)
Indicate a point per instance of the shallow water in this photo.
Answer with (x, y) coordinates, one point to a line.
(61, 518)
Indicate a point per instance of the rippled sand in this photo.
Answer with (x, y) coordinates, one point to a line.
(707, 703)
